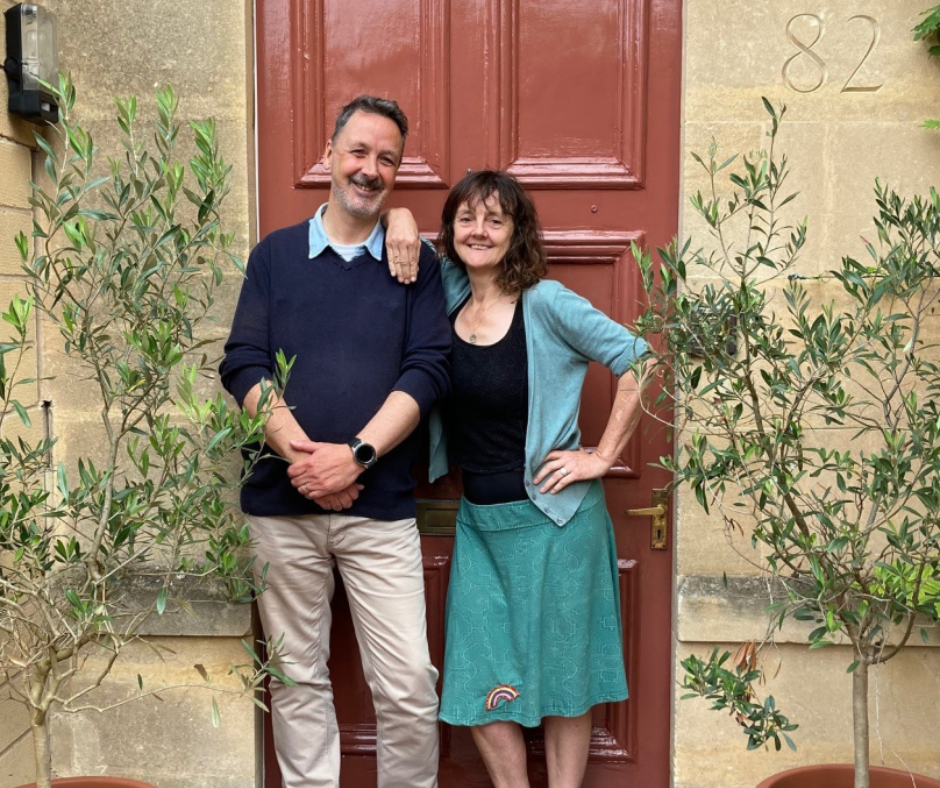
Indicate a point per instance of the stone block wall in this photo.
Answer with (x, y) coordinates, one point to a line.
(170, 741)
(856, 88)
(16, 745)
(16, 162)
(117, 48)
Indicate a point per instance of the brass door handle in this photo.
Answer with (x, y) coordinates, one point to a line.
(658, 511)
(652, 511)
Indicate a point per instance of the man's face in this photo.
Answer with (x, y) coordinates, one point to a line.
(363, 162)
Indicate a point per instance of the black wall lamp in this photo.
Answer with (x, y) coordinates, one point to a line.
(32, 55)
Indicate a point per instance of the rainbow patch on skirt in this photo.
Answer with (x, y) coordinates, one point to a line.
(504, 692)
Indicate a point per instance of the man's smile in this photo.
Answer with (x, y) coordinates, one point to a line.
(368, 187)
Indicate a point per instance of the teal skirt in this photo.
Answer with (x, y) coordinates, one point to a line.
(533, 615)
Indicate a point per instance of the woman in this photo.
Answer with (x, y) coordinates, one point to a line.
(533, 614)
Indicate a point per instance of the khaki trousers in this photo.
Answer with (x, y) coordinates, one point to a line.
(381, 565)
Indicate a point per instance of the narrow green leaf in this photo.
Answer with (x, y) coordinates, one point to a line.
(769, 107)
(21, 412)
(62, 481)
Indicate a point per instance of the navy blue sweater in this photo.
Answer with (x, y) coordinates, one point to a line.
(357, 335)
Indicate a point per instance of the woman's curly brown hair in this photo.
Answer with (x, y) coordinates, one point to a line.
(525, 262)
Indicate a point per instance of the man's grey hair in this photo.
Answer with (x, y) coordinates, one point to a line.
(375, 106)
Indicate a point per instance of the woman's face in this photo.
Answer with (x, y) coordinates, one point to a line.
(482, 233)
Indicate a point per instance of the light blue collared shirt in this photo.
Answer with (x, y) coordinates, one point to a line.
(319, 240)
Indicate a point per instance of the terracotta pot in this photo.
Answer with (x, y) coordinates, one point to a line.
(842, 775)
(94, 782)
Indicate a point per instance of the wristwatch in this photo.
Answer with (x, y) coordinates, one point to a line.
(364, 453)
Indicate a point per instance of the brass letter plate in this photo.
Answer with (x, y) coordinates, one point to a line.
(437, 517)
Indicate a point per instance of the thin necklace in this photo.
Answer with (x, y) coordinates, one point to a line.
(473, 333)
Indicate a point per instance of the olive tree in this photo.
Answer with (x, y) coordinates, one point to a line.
(807, 416)
(120, 273)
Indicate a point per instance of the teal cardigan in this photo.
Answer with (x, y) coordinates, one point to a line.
(564, 332)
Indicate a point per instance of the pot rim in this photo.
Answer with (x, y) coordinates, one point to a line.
(928, 782)
(94, 781)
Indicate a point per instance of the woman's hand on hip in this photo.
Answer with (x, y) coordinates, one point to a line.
(561, 468)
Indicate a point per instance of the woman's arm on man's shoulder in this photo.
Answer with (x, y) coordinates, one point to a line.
(404, 242)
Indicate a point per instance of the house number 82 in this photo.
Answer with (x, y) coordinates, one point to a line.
(806, 50)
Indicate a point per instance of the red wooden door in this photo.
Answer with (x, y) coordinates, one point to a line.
(580, 99)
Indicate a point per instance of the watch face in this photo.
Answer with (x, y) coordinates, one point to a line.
(365, 454)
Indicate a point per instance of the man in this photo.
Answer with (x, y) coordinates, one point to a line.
(370, 360)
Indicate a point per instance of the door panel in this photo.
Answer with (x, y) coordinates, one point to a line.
(580, 100)
(354, 712)
(595, 264)
(334, 57)
(588, 57)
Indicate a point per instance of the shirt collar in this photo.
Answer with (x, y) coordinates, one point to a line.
(319, 240)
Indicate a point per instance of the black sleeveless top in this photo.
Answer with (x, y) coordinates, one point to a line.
(488, 410)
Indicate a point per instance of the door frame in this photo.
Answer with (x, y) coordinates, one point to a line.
(264, 739)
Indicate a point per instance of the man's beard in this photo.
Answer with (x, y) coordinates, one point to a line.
(361, 208)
